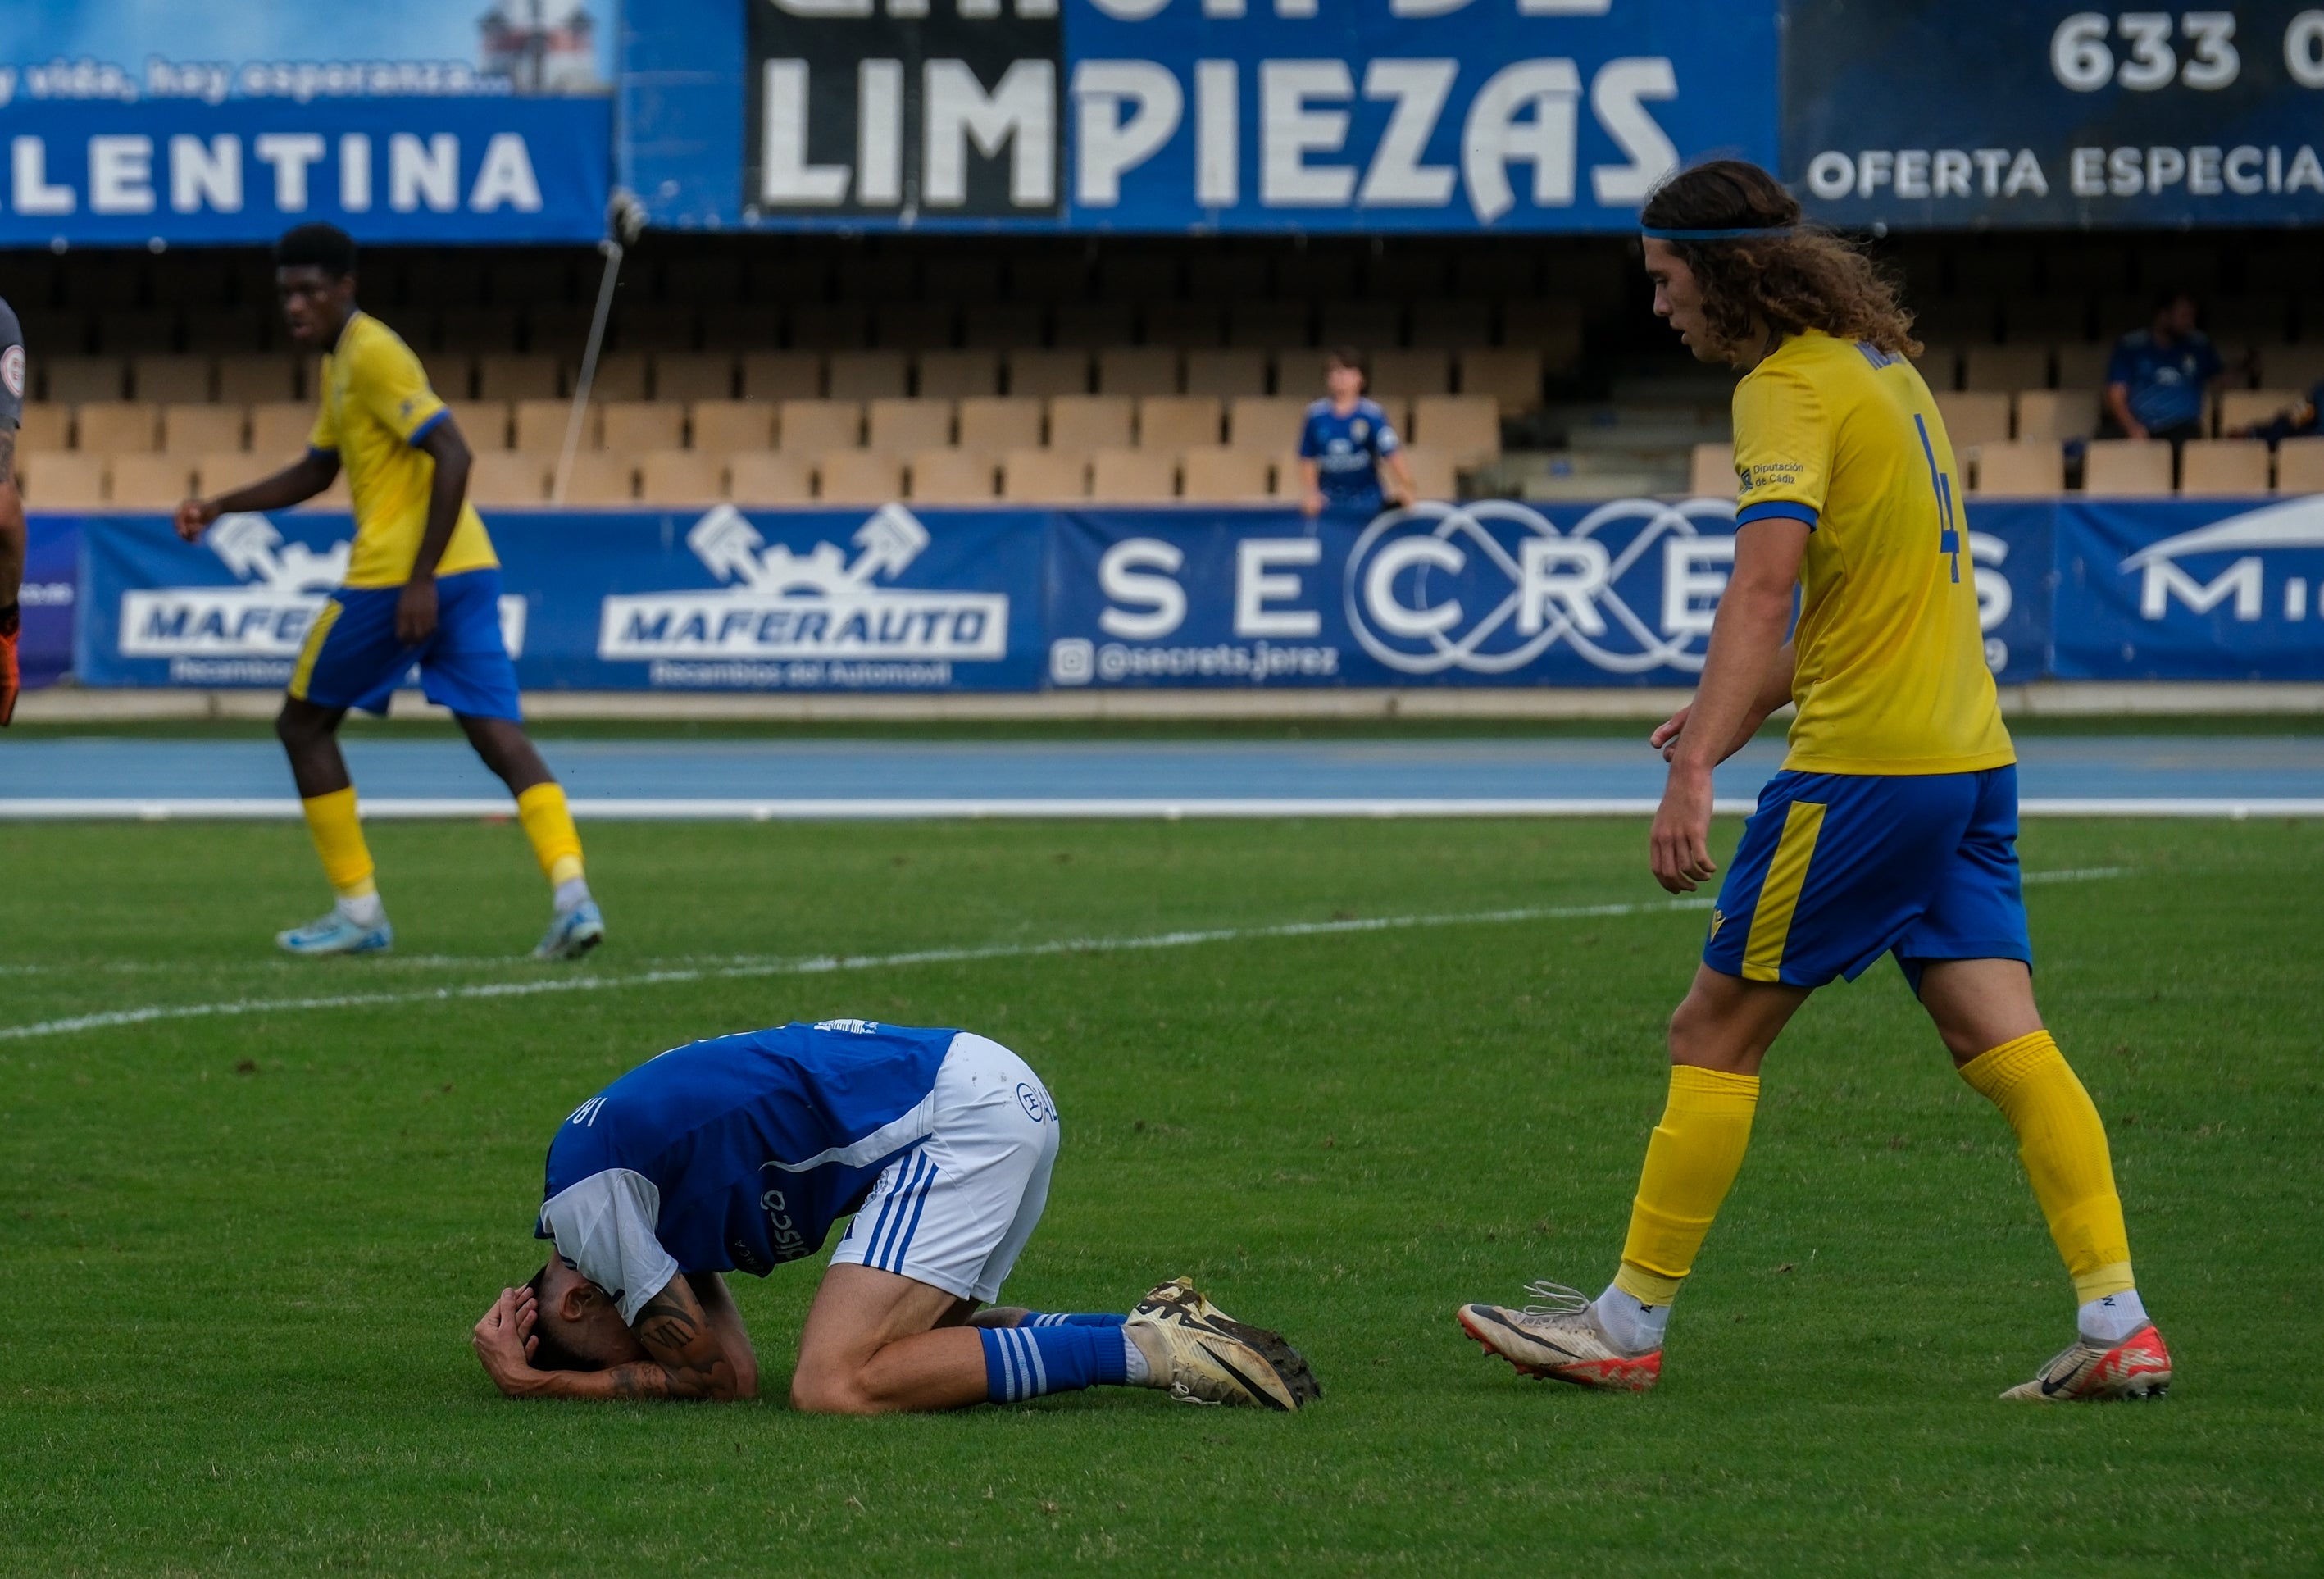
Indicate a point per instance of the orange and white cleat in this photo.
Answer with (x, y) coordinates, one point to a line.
(2137, 1367)
(1558, 1339)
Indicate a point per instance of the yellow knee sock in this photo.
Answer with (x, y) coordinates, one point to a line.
(556, 842)
(1690, 1161)
(339, 841)
(2064, 1146)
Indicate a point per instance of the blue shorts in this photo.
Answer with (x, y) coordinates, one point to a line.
(1837, 869)
(353, 659)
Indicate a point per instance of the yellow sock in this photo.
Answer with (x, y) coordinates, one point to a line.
(556, 842)
(2064, 1146)
(338, 840)
(1690, 1161)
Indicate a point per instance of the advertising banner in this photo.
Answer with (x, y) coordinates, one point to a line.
(1916, 113)
(224, 122)
(2192, 589)
(45, 600)
(1157, 115)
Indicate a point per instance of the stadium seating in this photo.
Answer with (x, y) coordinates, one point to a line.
(810, 428)
(1711, 472)
(1216, 473)
(1089, 423)
(1267, 424)
(859, 476)
(992, 424)
(2126, 468)
(634, 426)
(681, 476)
(1177, 422)
(2300, 465)
(1133, 477)
(1974, 418)
(200, 429)
(2223, 466)
(952, 476)
(152, 481)
(63, 480)
(1043, 476)
(718, 426)
(765, 477)
(2244, 407)
(509, 477)
(2057, 413)
(2033, 468)
(599, 477)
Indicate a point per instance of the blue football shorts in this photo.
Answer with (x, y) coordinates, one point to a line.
(1837, 869)
(352, 657)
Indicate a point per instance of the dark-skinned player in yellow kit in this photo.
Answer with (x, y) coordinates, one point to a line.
(1892, 826)
(422, 585)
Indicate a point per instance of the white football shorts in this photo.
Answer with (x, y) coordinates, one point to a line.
(955, 1210)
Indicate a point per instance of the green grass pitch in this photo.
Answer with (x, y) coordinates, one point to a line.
(243, 1251)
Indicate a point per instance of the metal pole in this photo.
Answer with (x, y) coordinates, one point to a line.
(612, 251)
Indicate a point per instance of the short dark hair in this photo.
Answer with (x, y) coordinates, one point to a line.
(317, 246)
(1347, 356)
(2171, 296)
(548, 1352)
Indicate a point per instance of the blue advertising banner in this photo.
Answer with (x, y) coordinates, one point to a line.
(51, 573)
(1918, 113)
(1155, 116)
(2192, 589)
(222, 122)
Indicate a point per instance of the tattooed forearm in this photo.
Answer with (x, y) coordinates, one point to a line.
(639, 1381)
(7, 455)
(666, 1323)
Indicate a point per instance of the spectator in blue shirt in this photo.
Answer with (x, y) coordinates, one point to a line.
(2161, 377)
(1343, 444)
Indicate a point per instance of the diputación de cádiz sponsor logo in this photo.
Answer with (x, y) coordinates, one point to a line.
(250, 634)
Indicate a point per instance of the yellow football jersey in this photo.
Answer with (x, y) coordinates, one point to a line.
(376, 402)
(1891, 676)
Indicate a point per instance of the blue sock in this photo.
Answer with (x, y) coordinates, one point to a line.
(1022, 1363)
(1072, 1318)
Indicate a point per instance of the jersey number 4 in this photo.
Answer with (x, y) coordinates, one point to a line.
(1941, 484)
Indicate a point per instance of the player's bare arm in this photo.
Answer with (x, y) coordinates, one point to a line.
(11, 572)
(415, 614)
(1747, 639)
(1402, 490)
(295, 483)
(681, 1350)
(1775, 691)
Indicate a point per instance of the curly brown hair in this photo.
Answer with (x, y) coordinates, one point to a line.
(1806, 278)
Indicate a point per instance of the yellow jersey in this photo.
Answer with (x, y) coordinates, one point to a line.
(375, 403)
(1891, 676)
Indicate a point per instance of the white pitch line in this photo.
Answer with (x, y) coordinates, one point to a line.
(825, 964)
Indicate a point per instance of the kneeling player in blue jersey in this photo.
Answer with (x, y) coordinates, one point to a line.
(744, 1151)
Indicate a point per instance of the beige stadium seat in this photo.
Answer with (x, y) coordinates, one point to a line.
(693, 376)
(600, 477)
(1227, 375)
(1407, 374)
(2126, 468)
(2297, 366)
(762, 476)
(509, 476)
(452, 374)
(2223, 466)
(1973, 417)
(1000, 422)
(202, 429)
(1511, 375)
(249, 378)
(620, 375)
(152, 481)
(169, 381)
(2244, 407)
(216, 473)
(952, 476)
(541, 426)
(1266, 423)
(859, 476)
(2057, 413)
(1398, 408)
(1466, 427)
(1433, 473)
(1290, 478)
(75, 381)
(1133, 477)
(1043, 476)
(2084, 366)
(63, 480)
(2004, 367)
(485, 424)
(1138, 370)
(511, 375)
(1711, 473)
(2300, 465)
(720, 427)
(284, 427)
(1176, 422)
(958, 375)
(903, 426)
(681, 476)
(2025, 468)
(1044, 374)
(868, 375)
(116, 426)
(634, 427)
(1215, 473)
(1086, 423)
(808, 428)
(782, 376)
(44, 427)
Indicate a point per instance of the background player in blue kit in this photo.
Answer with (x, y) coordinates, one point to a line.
(745, 1150)
(2160, 378)
(1346, 441)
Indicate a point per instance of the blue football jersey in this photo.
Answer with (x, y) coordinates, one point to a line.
(1347, 451)
(2166, 384)
(738, 1152)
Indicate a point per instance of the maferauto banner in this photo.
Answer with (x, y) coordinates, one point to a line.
(228, 121)
(2191, 590)
(1923, 113)
(1442, 115)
